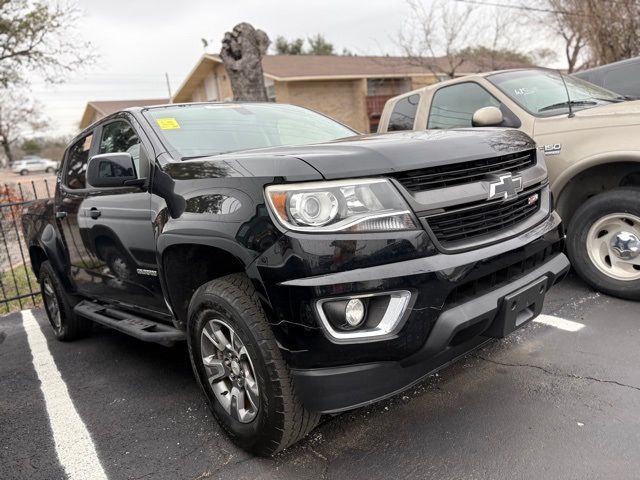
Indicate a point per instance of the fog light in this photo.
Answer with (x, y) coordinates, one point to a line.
(354, 312)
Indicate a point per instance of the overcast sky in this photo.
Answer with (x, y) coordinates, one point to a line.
(139, 40)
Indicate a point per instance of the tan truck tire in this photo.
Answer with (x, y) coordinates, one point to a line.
(603, 242)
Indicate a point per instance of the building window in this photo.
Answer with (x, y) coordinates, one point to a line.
(271, 92)
(270, 86)
(388, 86)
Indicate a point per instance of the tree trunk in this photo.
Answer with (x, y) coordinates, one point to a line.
(6, 147)
(242, 52)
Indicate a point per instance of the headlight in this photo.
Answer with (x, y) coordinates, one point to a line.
(369, 205)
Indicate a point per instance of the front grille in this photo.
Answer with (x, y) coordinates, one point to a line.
(481, 285)
(465, 172)
(484, 218)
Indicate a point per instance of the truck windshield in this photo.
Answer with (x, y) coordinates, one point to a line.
(199, 130)
(542, 92)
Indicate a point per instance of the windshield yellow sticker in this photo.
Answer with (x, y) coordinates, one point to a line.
(168, 123)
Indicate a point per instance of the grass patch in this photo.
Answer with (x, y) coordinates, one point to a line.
(19, 281)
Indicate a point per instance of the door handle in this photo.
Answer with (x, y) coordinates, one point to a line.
(94, 213)
(61, 214)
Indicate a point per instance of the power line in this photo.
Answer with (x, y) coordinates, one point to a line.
(528, 9)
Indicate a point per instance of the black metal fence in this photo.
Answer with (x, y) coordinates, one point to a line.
(19, 288)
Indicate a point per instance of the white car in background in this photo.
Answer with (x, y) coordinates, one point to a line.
(34, 164)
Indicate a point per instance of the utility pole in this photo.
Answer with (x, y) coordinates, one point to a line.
(166, 76)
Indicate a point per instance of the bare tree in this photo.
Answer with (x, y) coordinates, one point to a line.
(242, 52)
(565, 20)
(613, 31)
(592, 32)
(39, 36)
(437, 30)
(443, 36)
(18, 116)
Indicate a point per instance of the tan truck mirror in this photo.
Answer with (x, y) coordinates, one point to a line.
(487, 117)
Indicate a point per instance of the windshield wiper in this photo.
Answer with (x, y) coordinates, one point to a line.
(612, 100)
(567, 104)
(208, 155)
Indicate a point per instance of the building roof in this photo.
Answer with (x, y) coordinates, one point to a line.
(308, 67)
(107, 107)
(334, 67)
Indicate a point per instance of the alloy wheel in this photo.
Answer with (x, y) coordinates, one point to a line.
(229, 370)
(51, 302)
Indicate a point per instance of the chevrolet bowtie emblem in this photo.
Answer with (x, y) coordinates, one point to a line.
(506, 187)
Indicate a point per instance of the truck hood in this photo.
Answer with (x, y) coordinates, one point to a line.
(628, 108)
(380, 154)
(623, 114)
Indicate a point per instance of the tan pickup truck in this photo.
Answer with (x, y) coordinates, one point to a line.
(591, 141)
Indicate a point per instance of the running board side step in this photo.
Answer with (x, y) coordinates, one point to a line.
(125, 322)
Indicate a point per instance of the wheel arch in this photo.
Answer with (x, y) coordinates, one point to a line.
(49, 247)
(186, 263)
(592, 176)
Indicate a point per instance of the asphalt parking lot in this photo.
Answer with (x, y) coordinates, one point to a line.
(559, 399)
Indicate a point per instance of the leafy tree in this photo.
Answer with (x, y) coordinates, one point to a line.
(494, 59)
(286, 47)
(38, 36)
(45, 147)
(319, 46)
(31, 146)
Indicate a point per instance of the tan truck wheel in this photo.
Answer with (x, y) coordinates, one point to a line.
(604, 242)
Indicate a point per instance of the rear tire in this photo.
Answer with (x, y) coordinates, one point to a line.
(590, 233)
(59, 305)
(279, 418)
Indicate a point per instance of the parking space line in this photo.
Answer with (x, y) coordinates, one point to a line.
(75, 449)
(561, 323)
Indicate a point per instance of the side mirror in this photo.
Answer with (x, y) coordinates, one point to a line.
(112, 170)
(487, 117)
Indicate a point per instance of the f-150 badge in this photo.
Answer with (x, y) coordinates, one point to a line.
(551, 149)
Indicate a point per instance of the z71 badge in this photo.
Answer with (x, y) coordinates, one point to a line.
(552, 149)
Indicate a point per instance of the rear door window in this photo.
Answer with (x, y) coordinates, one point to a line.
(403, 114)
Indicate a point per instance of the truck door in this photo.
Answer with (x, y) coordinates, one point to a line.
(70, 194)
(115, 224)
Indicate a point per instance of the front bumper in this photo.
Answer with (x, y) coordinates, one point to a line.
(456, 304)
(334, 389)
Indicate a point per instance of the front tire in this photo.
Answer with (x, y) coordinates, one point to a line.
(59, 305)
(50, 170)
(231, 346)
(24, 172)
(604, 242)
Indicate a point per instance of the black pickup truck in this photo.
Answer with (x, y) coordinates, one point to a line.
(310, 270)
